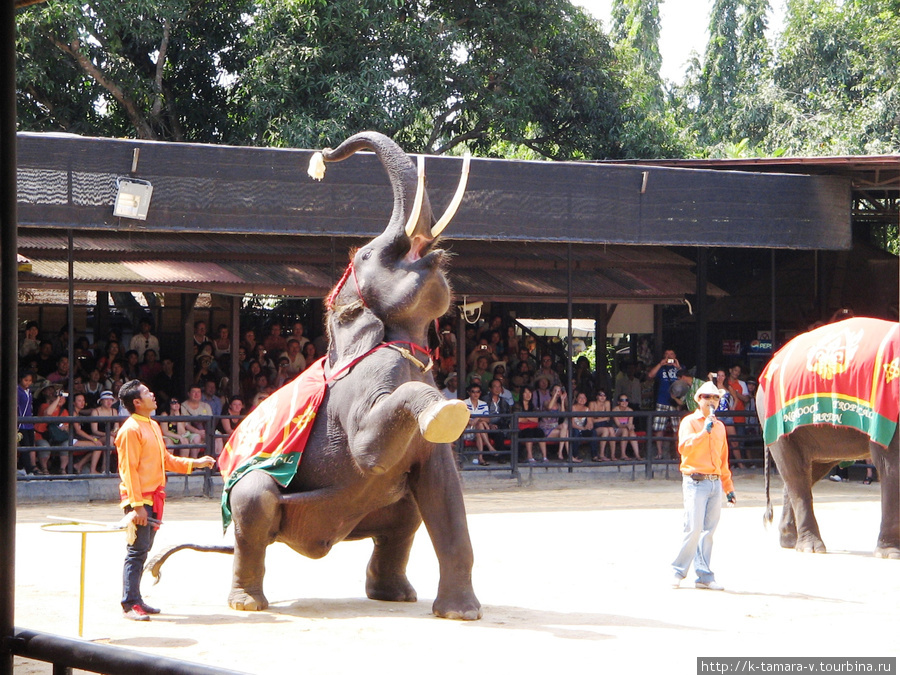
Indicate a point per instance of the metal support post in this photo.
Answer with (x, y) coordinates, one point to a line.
(9, 323)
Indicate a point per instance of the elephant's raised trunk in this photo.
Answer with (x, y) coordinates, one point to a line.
(412, 213)
(402, 174)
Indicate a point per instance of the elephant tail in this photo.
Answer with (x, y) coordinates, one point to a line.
(768, 515)
(155, 564)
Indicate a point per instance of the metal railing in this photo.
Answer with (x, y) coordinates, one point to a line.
(213, 436)
(746, 438)
(68, 653)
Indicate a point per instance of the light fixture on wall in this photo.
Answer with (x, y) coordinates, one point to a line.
(132, 198)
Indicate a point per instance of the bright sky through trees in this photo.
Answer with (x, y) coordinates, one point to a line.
(683, 29)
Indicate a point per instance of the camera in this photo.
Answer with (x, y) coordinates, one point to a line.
(62, 394)
(670, 361)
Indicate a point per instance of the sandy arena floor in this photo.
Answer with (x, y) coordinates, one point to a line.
(572, 572)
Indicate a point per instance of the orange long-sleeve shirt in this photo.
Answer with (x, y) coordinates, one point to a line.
(144, 460)
(702, 452)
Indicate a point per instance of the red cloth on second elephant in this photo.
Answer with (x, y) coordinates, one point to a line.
(845, 374)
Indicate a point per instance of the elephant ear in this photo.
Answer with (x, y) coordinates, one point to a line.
(353, 330)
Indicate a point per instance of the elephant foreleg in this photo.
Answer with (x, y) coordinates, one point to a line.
(396, 419)
(257, 513)
(798, 523)
(886, 463)
(439, 496)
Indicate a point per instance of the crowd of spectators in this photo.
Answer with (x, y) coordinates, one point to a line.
(506, 371)
(86, 384)
(511, 372)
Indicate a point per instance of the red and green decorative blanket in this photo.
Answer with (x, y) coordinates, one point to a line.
(845, 374)
(273, 437)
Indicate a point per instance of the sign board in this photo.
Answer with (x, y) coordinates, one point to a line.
(731, 347)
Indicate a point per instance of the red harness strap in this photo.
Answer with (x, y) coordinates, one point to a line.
(329, 301)
(413, 348)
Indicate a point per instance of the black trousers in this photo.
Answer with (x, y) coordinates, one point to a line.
(135, 557)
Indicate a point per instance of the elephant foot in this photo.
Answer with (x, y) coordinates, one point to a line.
(444, 421)
(244, 601)
(788, 539)
(810, 545)
(397, 589)
(889, 552)
(461, 606)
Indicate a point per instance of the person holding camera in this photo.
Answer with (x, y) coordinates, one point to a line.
(703, 446)
(54, 401)
(480, 371)
(665, 373)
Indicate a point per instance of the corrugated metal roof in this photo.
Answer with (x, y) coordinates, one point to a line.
(165, 271)
(309, 266)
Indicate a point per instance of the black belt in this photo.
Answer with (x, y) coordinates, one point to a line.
(705, 476)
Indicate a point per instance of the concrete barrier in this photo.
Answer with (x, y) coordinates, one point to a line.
(84, 490)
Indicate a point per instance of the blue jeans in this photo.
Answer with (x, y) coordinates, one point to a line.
(135, 557)
(702, 508)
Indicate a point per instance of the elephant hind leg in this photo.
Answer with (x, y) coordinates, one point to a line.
(257, 515)
(386, 573)
(809, 539)
(392, 530)
(787, 528)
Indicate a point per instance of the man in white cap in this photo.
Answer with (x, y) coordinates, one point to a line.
(450, 387)
(703, 447)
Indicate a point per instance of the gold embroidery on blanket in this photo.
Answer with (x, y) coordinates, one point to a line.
(832, 354)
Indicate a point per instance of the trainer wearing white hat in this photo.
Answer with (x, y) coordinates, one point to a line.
(703, 447)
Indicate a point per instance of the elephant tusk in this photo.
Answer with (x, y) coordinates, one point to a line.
(417, 202)
(457, 198)
(316, 168)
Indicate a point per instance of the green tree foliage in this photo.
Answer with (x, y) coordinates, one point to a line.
(649, 128)
(507, 78)
(835, 85)
(152, 69)
(534, 78)
(726, 83)
(829, 86)
(433, 74)
(635, 24)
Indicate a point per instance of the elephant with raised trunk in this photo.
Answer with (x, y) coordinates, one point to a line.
(377, 459)
(828, 396)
